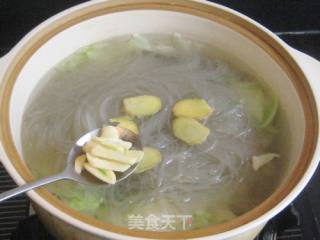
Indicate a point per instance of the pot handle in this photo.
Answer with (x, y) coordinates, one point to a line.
(310, 66)
(4, 60)
(3, 64)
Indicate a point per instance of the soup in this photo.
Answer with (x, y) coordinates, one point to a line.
(194, 186)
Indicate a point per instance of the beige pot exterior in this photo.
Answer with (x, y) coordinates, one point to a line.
(63, 231)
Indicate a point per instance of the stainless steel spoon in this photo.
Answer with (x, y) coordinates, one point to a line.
(69, 172)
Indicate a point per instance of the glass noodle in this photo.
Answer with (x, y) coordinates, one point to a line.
(213, 182)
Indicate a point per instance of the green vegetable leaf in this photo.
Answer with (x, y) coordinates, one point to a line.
(270, 111)
(78, 197)
(261, 105)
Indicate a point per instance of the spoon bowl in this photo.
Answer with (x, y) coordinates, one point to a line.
(70, 173)
(76, 150)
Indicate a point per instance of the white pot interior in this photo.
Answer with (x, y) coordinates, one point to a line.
(235, 48)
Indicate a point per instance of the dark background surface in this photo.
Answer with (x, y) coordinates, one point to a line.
(297, 22)
(17, 17)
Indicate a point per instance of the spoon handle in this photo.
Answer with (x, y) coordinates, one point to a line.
(30, 186)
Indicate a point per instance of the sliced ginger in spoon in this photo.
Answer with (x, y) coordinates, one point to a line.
(110, 132)
(102, 152)
(196, 108)
(107, 176)
(127, 123)
(79, 163)
(142, 106)
(107, 153)
(110, 137)
(114, 144)
(107, 164)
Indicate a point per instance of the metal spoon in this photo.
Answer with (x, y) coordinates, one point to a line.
(69, 172)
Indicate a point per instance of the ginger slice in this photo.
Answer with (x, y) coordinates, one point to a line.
(151, 158)
(196, 108)
(263, 159)
(189, 130)
(135, 154)
(142, 106)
